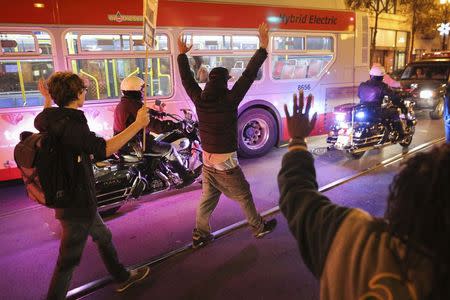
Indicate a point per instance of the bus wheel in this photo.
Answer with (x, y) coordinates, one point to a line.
(257, 132)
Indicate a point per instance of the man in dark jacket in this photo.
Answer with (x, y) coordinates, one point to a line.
(81, 219)
(358, 256)
(217, 112)
(132, 88)
(373, 92)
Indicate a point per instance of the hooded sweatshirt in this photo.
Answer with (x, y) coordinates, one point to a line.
(217, 106)
(348, 250)
(79, 145)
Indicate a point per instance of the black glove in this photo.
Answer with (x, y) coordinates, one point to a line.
(181, 126)
(155, 113)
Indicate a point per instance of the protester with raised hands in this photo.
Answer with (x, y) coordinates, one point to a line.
(358, 256)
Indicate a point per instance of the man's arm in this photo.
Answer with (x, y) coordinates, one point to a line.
(118, 141)
(312, 218)
(247, 78)
(190, 85)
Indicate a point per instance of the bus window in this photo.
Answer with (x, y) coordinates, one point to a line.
(288, 43)
(245, 42)
(19, 79)
(105, 42)
(24, 59)
(162, 42)
(319, 43)
(104, 75)
(298, 66)
(212, 42)
(202, 65)
(17, 43)
(44, 42)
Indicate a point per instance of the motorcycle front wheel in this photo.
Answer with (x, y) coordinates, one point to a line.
(354, 155)
(408, 139)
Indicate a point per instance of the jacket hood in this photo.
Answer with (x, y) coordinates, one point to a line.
(49, 116)
(214, 90)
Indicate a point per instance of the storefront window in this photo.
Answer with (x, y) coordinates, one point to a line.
(385, 38)
(402, 38)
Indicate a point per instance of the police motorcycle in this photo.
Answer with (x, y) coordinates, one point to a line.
(129, 176)
(362, 127)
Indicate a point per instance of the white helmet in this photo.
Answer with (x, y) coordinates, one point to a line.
(377, 70)
(132, 83)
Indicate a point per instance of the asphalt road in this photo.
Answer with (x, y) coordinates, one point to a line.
(235, 266)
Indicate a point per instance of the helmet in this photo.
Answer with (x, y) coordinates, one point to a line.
(377, 70)
(132, 83)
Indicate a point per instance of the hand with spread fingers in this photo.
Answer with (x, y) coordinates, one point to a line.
(263, 35)
(182, 44)
(299, 125)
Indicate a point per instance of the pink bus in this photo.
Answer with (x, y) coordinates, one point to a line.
(323, 51)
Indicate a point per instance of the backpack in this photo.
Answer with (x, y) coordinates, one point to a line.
(40, 159)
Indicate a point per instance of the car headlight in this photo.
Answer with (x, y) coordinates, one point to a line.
(360, 115)
(425, 94)
(340, 117)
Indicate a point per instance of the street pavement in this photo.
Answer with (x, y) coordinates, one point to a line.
(235, 266)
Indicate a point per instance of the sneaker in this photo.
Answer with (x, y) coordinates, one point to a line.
(135, 276)
(200, 240)
(267, 228)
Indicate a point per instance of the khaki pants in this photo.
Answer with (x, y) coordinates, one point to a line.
(231, 183)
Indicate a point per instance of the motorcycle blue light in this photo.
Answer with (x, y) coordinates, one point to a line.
(360, 115)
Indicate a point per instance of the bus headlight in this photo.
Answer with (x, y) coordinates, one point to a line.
(426, 94)
(339, 117)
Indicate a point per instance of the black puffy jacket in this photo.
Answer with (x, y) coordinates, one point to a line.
(81, 146)
(217, 106)
(373, 91)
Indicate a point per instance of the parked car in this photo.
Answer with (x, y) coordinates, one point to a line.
(428, 82)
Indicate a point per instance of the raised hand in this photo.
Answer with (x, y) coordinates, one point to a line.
(143, 117)
(182, 44)
(299, 125)
(43, 89)
(263, 30)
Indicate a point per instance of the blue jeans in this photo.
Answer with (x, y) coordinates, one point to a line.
(447, 118)
(73, 240)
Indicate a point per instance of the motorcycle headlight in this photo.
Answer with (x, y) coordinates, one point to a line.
(425, 94)
(340, 117)
(360, 115)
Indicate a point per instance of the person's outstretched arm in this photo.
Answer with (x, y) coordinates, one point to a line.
(118, 141)
(313, 220)
(190, 85)
(250, 73)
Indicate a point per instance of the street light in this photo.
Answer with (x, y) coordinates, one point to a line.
(444, 26)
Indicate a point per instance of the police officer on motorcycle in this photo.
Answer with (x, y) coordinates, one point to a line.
(132, 88)
(374, 90)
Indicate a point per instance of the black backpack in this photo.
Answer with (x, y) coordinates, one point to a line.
(40, 159)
